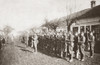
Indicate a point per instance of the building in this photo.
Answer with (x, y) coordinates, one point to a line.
(88, 20)
(82, 21)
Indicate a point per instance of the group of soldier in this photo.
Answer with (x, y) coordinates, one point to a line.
(33, 41)
(68, 44)
(65, 45)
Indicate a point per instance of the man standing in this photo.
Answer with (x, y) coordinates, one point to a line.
(76, 45)
(0, 42)
(92, 44)
(35, 42)
(71, 46)
(81, 41)
(66, 44)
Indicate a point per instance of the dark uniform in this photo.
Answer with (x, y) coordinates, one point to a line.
(76, 46)
(0, 43)
(56, 44)
(66, 50)
(87, 41)
(30, 41)
(58, 48)
(51, 41)
(62, 45)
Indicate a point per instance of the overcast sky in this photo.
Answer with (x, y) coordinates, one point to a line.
(23, 14)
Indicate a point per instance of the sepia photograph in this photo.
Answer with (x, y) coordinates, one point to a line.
(49, 32)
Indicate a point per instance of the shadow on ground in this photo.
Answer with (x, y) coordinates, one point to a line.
(48, 53)
(24, 49)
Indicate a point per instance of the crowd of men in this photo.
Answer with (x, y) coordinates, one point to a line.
(71, 45)
(31, 41)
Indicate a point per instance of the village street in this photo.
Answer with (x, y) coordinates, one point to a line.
(18, 54)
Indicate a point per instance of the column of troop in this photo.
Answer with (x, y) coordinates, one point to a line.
(65, 45)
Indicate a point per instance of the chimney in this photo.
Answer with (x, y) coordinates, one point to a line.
(93, 3)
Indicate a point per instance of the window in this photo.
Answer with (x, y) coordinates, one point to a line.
(82, 29)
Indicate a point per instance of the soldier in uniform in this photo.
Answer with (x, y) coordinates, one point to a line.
(0, 42)
(92, 44)
(66, 45)
(87, 40)
(48, 43)
(52, 43)
(35, 42)
(30, 41)
(62, 44)
(71, 46)
(76, 45)
(58, 47)
(56, 44)
(81, 41)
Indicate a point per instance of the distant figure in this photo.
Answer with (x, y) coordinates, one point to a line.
(23, 39)
(35, 42)
(3, 41)
(0, 43)
(30, 40)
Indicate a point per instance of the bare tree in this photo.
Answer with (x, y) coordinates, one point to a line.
(53, 24)
(69, 19)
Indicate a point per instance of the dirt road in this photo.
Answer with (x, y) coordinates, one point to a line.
(19, 54)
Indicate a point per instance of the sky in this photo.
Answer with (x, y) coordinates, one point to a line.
(24, 14)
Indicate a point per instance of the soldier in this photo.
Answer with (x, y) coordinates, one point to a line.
(92, 44)
(58, 48)
(47, 42)
(71, 46)
(35, 42)
(62, 44)
(42, 42)
(87, 34)
(56, 43)
(76, 45)
(66, 45)
(0, 42)
(52, 43)
(30, 41)
(23, 39)
(81, 41)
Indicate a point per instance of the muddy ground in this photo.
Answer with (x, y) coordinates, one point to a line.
(18, 54)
